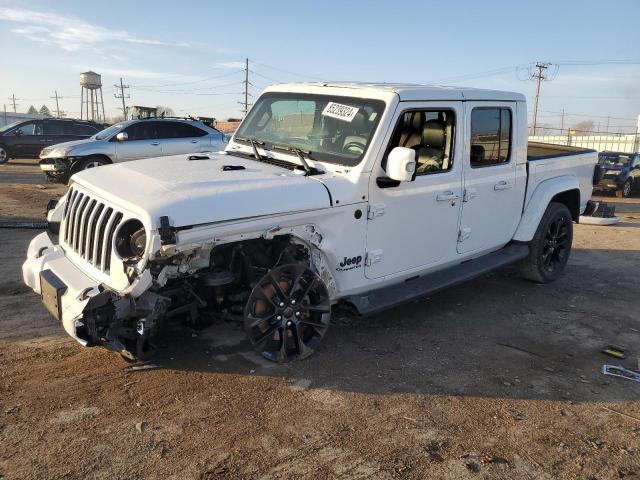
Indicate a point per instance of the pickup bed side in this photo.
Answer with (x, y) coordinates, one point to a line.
(555, 173)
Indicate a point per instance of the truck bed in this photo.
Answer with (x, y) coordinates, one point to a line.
(541, 151)
(547, 162)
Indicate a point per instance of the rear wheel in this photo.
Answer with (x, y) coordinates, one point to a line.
(625, 191)
(4, 154)
(287, 313)
(551, 245)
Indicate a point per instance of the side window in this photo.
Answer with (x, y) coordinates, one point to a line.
(490, 136)
(31, 128)
(143, 130)
(636, 161)
(54, 128)
(178, 130)
(88, 130)
(430, 133)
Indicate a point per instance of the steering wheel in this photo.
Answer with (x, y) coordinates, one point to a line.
(354, 147)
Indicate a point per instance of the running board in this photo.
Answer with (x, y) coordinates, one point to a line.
(387, 297)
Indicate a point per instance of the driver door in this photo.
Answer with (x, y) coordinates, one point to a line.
(414, 225)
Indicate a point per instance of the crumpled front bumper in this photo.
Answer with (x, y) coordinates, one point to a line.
(56, 166)
(43, 255)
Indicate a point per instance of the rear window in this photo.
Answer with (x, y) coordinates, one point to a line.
(490, 136)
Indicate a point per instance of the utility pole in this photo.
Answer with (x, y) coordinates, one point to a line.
(245, 104)
(562, 121)
(13, 100)
(57, 104)
(539, 77)
(122, 96)
(608, 119)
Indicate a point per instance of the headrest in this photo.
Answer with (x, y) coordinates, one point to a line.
(433, 134)
(414, 120)
(358, 122)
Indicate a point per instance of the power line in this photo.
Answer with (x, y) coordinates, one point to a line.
(235, 72)
(296, 74)
(122, 96)
(539, 77)
(13, 99)
(57, 104)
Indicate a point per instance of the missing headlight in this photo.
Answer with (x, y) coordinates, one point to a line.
(131, 240)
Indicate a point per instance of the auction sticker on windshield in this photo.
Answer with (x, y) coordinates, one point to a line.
(339, 111)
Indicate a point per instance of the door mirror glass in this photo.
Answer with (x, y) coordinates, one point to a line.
(401, 164)
(122, 136)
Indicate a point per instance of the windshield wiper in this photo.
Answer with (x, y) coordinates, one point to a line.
(309, 170)
(253, 142)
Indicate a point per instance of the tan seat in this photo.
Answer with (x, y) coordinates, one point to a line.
(430, 153)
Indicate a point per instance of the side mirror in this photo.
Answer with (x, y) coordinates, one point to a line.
(401, 164)
(122, 136)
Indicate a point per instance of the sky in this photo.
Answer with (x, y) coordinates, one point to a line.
(189, 55)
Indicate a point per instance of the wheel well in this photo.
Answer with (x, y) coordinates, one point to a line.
(571, 199)
(101, 157)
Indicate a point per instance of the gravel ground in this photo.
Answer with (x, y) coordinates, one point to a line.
(496, 378)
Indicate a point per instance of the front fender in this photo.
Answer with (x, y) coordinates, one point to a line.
(538, 203)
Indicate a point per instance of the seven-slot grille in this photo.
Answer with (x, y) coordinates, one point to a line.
(88, 228)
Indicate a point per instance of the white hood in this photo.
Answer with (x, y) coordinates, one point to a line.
(192, 192)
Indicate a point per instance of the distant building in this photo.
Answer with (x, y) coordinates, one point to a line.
(9, 117)
(138, 112)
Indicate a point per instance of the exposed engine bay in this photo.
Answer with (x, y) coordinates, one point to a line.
(269, 285)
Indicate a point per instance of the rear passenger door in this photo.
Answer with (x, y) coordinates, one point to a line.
(142, 142)
(179, 137)
(28, 139)
(494, 179)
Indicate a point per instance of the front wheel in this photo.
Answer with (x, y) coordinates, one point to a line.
(4, 154)
(91, 162)
(287, 313)
(551, 245)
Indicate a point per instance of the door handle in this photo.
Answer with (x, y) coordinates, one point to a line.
(447, 196)
(194, 141)
(503, 185)
(46, 141)
(155, 143)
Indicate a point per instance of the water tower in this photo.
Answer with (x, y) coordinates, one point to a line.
(91, 108)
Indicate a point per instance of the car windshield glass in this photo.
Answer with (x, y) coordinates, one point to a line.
(615, 159)
(333, 129)
(6, 128)
(107, 132)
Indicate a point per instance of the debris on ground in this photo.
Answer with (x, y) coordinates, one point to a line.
(142, 366)
(621, 372)
(141, 427)
(614, 351)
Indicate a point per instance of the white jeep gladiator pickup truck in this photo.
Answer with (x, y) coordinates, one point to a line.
(328, 194)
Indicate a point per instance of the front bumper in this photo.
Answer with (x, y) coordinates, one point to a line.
(610, 183)
(42, 256)
(56, 166)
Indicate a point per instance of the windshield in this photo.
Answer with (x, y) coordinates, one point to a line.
(10, 126)
(333, 129)
(615, 159)
(107, 132)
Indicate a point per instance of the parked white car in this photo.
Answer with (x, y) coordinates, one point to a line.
(131, 140)
(364, 195)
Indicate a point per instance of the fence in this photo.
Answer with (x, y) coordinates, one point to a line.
(628, 143)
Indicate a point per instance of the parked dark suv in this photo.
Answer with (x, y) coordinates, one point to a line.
(621, 173)
(27, 138)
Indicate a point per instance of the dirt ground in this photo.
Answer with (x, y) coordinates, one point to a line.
(496, 378)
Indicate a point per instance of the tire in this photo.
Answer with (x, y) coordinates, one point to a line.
(625, 191)
(4, 154)
(287, 313)
(86, 163)
(550, 247)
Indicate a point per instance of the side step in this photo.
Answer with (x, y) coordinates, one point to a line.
(387, 297)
